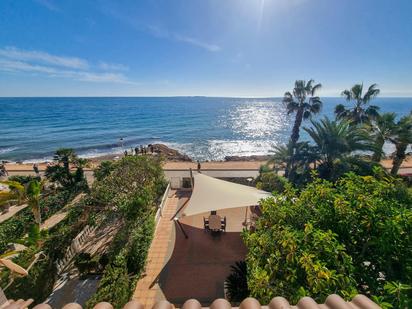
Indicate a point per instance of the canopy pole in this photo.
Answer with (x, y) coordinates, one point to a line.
(191, 177)
(246, 216)
(181, 228)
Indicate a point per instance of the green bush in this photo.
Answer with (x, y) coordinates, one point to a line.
(139, 244)
(17, 226)
(142, 183)
(86, 264)
(132, 179)
(103, 170)
(39, 283)
(115, 285)
(271, 182)
(355, 234)
(23, 179)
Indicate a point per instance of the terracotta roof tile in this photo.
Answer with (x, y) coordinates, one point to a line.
(332, 302)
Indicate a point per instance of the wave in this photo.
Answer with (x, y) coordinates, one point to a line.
(7, 149)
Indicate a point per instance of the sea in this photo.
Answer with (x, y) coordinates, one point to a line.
(205, 128)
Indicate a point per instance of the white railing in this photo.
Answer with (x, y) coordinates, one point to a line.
(162, 204)
(75, 247)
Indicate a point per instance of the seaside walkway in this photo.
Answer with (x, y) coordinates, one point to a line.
(147, 291)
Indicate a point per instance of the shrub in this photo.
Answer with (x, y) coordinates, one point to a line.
(142, 183)
(103, 170)
(14, 228)
(40, 281)
(139, 243)
(140, 178)
(86, 264)
(354, 234)
(23, 179)
(271, 182)
(115, 285)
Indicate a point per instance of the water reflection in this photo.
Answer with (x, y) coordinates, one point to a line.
(257, 119)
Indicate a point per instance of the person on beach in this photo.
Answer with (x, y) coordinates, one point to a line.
(198, 166)
(136, 150)
(125, 153)
(36, 169)
(141, 149)
(151, 148)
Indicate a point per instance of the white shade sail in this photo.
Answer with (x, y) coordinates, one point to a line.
(214, 194)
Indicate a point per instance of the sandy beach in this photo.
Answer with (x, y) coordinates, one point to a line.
(183, 165)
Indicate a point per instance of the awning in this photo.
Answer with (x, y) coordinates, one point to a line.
(214, 194)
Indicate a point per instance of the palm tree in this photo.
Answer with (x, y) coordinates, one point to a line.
(19, 194)
(14, 195)
(304, 103)
(300, 160)
(361, 111)
(336, 140)
(401, 139)
(382, 128)
(66, 159)
(33, 193)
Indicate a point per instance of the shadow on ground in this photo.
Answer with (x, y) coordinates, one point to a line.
(199, 265)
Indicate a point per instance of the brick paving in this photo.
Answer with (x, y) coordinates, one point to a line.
(147, 290)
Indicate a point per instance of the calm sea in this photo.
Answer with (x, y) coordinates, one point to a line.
(204, 128)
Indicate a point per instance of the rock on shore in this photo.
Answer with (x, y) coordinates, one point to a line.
(170, 154)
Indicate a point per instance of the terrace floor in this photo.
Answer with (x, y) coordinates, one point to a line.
(178, 268)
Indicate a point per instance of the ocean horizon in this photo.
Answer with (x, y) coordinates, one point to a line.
(205, 128)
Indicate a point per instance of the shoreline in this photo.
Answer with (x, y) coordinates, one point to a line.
(238, 162)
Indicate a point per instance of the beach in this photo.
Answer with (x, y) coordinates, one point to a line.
(246, 164)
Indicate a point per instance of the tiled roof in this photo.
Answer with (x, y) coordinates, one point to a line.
(332, 302)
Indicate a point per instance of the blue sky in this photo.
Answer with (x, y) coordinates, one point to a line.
(202, 47)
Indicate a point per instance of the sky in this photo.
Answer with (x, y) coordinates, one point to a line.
(240, 48)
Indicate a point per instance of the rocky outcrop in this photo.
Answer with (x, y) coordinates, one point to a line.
(169, 153)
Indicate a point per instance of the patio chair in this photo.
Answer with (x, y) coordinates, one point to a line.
(223, 224)
(206, 224)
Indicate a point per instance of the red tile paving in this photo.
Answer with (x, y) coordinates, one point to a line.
(179, 268)
(147, 291)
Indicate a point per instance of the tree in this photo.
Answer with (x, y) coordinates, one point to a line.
(303, 102)
(336, 140)
(382, 128)
(103, 170)
(345, 237)
(33, 193)
(300, 159)
(19, 194)
(14, 195)
(361, 112)
(401, 139)
(60, 172)
(271, 181)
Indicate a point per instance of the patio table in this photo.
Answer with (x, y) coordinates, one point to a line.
(214, 222)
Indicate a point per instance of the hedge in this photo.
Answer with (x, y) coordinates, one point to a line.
(17, 226)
